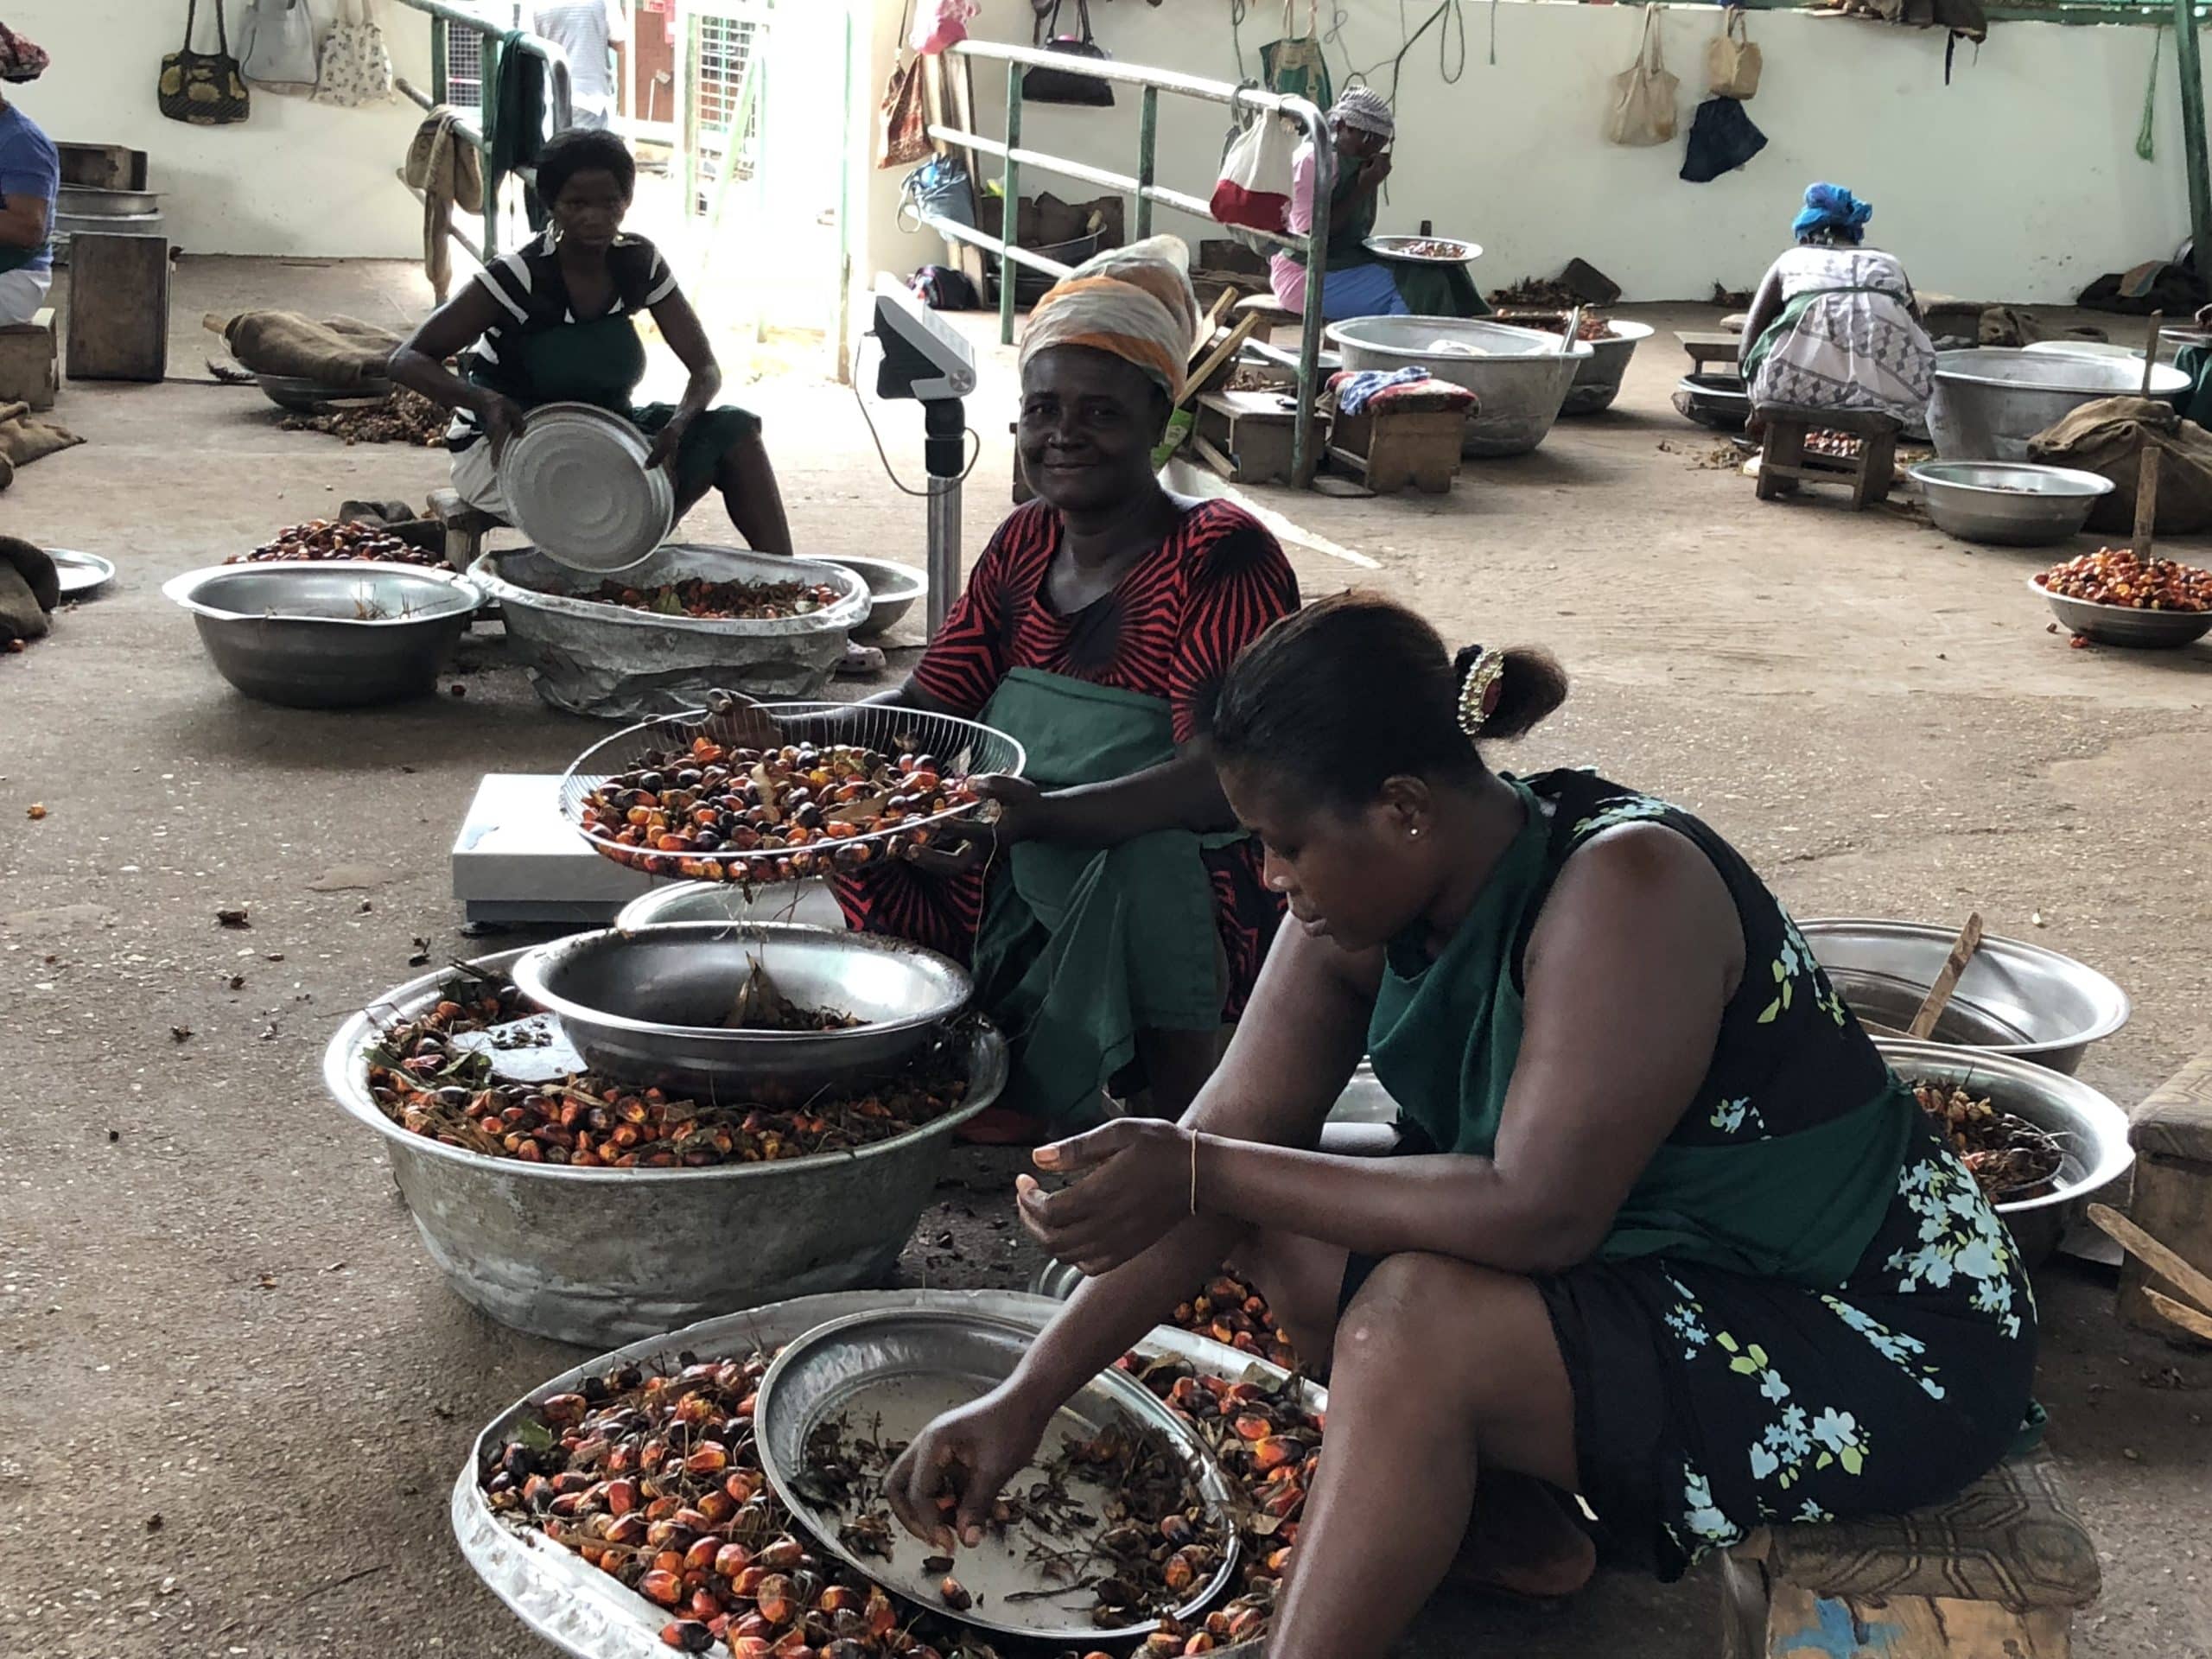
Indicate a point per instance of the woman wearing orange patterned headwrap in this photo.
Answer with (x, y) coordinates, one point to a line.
(1116, 920)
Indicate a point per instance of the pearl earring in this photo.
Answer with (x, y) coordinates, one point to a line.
(1415, 832)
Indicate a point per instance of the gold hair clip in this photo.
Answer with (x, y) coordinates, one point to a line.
(1479, 691)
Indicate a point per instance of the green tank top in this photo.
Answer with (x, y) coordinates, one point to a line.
(1789, 1155)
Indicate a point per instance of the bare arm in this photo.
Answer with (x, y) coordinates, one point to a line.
(1766, 306)
(1184, 793)
(687, 337)
(24, 221)
(420, 362)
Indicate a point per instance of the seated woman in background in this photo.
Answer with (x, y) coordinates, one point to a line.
(554, 323)
(1358, 282)
(1116, 913)
(1835, 325)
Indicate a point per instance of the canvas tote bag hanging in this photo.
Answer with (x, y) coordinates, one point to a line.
(903, 137)
(356, 68)
(1731, 62)
(204, 89)
(1642, 110)
(276, 46)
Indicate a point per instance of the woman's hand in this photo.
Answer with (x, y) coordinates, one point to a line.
(1024, 813)
(1132, 1186)
(502, 419)
(669, 440)
(967, 1455)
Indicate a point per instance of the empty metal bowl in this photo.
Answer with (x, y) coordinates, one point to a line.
(2123, 625)
(892, 587)
(2089, 1128)
(1990, 401)
(339, 634)
(810, 903)
(2014, 998)
(648, 1005)
(1719, 401)
(2012, 504)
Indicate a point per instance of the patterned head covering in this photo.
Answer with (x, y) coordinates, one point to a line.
(19, 60)
(1363, 112)
(1135, 303)
(1833, 209)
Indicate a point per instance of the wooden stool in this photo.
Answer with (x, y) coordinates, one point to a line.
(465, 527)
(119, 307)
(1781, 455)
(1709, 347)
(1996, 1572)
(29, 371)
(1399, 443)
(2172, 1137)
(1246, 436)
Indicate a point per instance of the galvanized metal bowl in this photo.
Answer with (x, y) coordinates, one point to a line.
(2123, 625)
(584, 1612)
(1519, 376)
(899, 1369)
(2090, 1129)
(339, 634)
(648, 1005)
(1598, 382)
(893, 591)
(1990, 401)
(598, 1256)
(2014, 999)
(2011, 504)
(809, 903)
(1714, 400)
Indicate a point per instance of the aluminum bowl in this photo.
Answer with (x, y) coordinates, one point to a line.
(600, 1256)
(647, 1004)
(2011, 504)
(2123, 625)
(893, 589)
(1519, 376)
(586, 1613)
(1990, 401)
(1715, 400)
(339, 635)
(2090, 1128)
(809, 903)
(1598, 382)
(2014, 999)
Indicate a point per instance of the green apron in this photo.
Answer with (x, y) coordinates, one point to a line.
(1083, 947)
(1445, 1036)
(600, 363)
(1763, 347)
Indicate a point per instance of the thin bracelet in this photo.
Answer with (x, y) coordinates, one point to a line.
(1194, 1171)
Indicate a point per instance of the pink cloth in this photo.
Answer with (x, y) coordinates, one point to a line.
(1286, 273)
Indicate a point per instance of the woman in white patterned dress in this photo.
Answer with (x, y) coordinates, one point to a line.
(1836, 324)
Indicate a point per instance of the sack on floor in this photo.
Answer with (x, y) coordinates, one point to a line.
(2107, 438)
(1642, 110)
(1731, 62)
(338, 352)
(24, 438)
(1722, 138)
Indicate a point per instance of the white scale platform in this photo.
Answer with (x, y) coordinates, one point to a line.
(516, 860)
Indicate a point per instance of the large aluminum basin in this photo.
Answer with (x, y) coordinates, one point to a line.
(1520, 376)
(1990, 401)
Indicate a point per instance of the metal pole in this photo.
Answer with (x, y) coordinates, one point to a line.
(438, 68)
(1147, 132)
(2187, 60)
(945, 425)
(1009, 205)
(487, 98)
(1304, 456)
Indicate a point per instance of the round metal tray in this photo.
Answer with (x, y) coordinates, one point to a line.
(1397, 247)
(901, 1369)
(646, 1005)
(576, 481)
(963, 748)
(2123, 625)
(595, 1256)
(586, 1614)
(81, 574)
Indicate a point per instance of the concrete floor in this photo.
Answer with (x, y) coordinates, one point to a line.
(233, 1390)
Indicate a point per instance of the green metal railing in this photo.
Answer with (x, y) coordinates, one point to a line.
(1144, 187)
(496, 43)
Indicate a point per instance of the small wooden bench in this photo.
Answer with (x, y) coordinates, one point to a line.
(1707, 347)
(2172, 1202)
(465, 527)
(1997, 1573)
(1783, 465)
(1246, 436)
(1409, 438)
(30, 362)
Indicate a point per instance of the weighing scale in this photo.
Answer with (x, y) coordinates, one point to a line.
(923, 359)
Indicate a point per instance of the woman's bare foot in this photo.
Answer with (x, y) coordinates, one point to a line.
(1524, 1541)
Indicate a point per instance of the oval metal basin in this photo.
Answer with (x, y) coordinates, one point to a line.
(2092, 1130)
(893, 590)
(648, 1005)
(337, 634)
(1519, 376)
(2014, 998)
(810, 904)
(2011, 504)
(1990, 401)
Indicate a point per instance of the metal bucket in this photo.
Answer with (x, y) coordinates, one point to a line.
(1519, 376)
(596, 1257)
(1990, 401)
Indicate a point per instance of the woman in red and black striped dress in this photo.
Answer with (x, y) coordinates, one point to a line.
(1118, 914)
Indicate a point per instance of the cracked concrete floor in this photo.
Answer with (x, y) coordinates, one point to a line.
(233, 1390)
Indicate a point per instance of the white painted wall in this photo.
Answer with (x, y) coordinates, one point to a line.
(2018, 181)
(296, 178)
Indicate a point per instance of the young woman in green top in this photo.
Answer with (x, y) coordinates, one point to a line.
(1664, 1228)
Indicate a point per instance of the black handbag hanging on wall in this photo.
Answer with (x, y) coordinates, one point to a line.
(1041, 85)
(203, 88)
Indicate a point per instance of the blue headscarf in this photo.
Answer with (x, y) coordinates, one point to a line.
(1831, 208)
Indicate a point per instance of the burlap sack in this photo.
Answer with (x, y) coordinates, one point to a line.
(22, 617)
(24, 438)
(338, 351)
(2107, 438)
(35, 567)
